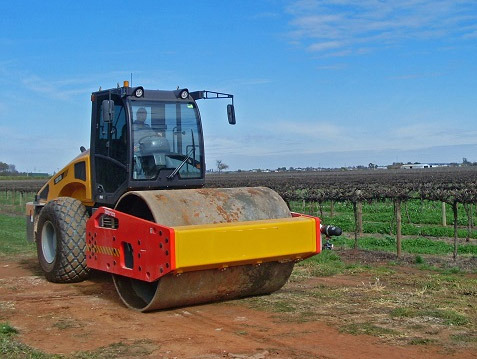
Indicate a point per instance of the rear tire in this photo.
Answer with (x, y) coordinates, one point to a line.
(61, 242)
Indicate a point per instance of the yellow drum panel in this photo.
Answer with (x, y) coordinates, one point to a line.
(227, 244)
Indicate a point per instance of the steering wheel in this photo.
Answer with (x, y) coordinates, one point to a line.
(151, 144)
(149, 136)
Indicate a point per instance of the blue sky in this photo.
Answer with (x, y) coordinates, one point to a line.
(316, 83)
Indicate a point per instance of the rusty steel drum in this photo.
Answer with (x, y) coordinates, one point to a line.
(203, 206)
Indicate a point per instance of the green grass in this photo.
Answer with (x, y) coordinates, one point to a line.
(464, 338)
(11, 348)
(388, 301)
(367, 329)
(408, 245)
(7, 329)
(14, 202)
(13, 235)
(403, 312)
(134, 349)
(329, 263)
(24, 178)
(422, 341)
(419, 218)
(448, 317)
(419, 260)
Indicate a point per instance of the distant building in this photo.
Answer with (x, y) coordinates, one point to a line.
(416, 166)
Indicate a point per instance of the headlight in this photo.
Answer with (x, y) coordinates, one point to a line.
(184, 94)
(139, 92)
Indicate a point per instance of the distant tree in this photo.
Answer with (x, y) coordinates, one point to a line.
(395, 165)
(3, 167)
(7, 168)
(465, 162)
(372, 166)
(221, 166)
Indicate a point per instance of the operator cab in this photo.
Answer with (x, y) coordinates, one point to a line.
(146, 139)
(165, 134)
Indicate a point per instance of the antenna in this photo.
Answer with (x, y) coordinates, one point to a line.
(131, 80)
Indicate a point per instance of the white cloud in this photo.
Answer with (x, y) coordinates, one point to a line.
(334, 67)
(347, 25)
(31, 152)
(61, 90)
(284, 138)
(314, 130)
(430, 134)
(287, 139)
(321, 46)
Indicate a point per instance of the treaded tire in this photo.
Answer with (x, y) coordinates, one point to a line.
(61, 242)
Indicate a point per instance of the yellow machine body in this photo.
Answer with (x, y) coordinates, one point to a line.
(74, 180)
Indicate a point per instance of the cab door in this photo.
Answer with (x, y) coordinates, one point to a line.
(109, 152)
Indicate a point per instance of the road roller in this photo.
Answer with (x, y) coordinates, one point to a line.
(134, 205)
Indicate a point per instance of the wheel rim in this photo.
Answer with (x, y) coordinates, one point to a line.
(48, 242)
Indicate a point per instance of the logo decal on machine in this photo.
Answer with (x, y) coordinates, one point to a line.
(60, 177)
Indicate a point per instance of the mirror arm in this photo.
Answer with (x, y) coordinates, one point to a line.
(210, 95)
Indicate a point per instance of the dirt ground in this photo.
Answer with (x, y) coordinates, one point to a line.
(64, 319)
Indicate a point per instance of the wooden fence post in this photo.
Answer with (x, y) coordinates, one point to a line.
(397, 205)
(471, 215)
(454, 209)
(407, 213)
(444, 218)
(355, 210)
(468, 211)
(360, 217)
(393, 218)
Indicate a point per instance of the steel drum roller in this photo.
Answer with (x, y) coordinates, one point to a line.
(203, 206)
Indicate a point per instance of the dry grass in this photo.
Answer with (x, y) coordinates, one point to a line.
(401, 305)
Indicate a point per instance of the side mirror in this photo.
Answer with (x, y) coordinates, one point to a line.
(231, 114)
(107, 107)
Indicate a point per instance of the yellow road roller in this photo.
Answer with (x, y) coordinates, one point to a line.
(134, 205)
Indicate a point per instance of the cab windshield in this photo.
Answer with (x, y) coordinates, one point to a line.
(165, 135)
